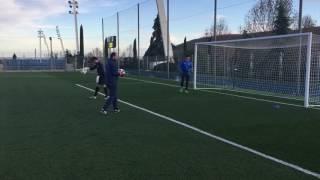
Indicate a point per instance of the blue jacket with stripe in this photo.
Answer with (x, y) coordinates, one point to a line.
(111, 74)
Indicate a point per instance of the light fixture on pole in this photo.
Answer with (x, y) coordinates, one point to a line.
(61, 41)
(74, 6)
(40, 36)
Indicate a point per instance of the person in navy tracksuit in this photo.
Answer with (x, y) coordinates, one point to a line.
(185, 70)
(100, 80)
(111, 77)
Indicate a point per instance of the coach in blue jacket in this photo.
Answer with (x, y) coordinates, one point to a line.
(111, 77)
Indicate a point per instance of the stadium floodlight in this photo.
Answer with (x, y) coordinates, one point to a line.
(60, 38)
(266, 66)
(74, 5)
(40, 35)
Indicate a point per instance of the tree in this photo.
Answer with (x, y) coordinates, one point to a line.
(185, 46)
(81, 53)
(68, 56)
(97, 52)
(307, 21)
(81, 42)
(222, 28)
(282, 19)
(245, 34)
(135, 53)
(156, 41)
(261, 16)
(14, 57)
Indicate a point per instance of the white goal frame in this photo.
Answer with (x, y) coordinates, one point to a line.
(308, 63)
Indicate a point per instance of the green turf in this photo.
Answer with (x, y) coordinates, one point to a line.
(49, 129)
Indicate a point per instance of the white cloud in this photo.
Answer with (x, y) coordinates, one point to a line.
(219, 16)
(88, 6)
(27, 14)
(20, 20)
(100, 3)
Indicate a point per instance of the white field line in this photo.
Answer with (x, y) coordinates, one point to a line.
(227, 94)
(244, 148)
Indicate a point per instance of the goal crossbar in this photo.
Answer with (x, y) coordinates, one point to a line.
(284, 66)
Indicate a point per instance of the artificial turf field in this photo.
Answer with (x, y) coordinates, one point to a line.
(50, 129)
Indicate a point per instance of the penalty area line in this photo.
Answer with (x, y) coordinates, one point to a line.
(218, 138)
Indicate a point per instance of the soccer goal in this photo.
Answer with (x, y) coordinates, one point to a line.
(285, 66)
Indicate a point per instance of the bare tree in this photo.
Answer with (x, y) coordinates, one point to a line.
(222, 28)
(97, 52)
(129, 51)
(262, 15)
(307, 21)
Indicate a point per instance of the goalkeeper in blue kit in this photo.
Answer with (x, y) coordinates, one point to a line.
(100, 79)
(185, 70)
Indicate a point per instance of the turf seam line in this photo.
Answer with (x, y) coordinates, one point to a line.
(244, 148)
(226, 94)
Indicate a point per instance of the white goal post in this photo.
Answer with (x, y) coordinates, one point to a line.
(284, 66)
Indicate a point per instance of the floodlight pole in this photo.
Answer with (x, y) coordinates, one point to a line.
(215, 39)
(118, 34)
(73, 4)
(300, 15)
(40, 33)
(168, 38)
(215, 21)
(138, 38)
(300, 49)
(60, 38)
(103, 46)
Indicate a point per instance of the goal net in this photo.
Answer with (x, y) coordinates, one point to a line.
(286, 66)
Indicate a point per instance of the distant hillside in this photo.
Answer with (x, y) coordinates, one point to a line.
(178, 49)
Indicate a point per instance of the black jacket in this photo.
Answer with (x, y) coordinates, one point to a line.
(99, 67)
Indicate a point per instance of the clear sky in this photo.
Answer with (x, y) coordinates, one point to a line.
(21, 19)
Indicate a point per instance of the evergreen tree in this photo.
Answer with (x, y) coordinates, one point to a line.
(135, 52)
(81, 41)
(282, 19)
(185, 46)
(81, 53)
(156, 41)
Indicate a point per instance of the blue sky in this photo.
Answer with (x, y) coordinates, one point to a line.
(20, 20)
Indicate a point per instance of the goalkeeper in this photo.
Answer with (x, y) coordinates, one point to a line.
(100, 80)
(185, 70)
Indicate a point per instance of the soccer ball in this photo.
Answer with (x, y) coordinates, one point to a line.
(122, 72)
(85, 70)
